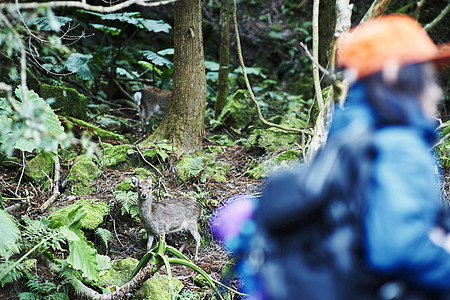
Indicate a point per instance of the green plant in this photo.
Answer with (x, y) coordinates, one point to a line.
(128, 201)
(29, 123)
(158, 256)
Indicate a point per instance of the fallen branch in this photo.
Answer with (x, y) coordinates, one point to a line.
(56, 179)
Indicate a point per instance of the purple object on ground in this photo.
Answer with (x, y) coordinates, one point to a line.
(227, 220)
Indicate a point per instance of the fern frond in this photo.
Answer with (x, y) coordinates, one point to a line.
(9, 234)
(104, 234)
(28, 296)
(16, 273)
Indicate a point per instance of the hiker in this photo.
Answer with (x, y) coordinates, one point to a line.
(396, 94)
(393, 98)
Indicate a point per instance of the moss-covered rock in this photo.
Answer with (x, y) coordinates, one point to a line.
(67, 100)
(82, 176)
(96, 211)
(142, 173)
(239, 111)
(285, 159)
(202, 166)
(157, 287)
(120, 157)
(37, 168)
(125, 185)
(273, 139)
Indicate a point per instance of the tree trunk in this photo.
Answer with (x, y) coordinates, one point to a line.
(327, 17)
(222, 88)
(183, 123)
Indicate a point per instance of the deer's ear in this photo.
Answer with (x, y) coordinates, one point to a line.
(149, 177)
(135, 180)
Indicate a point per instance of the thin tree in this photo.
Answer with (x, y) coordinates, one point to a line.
(222, 86)
(183, 124)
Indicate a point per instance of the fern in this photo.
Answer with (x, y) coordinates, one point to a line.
(39, 287)
(17, 272)
(128, 200)
(9, 235)
(38, 230)
(28, 296)
(104, 234)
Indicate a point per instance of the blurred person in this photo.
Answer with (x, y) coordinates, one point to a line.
(403, 248)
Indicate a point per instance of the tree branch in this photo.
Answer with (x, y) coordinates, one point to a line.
(430, 25)
(83, 5)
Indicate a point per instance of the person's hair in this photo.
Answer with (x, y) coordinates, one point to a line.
(397, 102)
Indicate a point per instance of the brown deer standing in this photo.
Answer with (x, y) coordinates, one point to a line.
(151, 100)
(168, 216)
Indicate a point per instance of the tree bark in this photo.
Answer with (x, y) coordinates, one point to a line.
(184, 122)
(222, 88)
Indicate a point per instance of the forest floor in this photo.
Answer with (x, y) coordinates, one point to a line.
(128, 238)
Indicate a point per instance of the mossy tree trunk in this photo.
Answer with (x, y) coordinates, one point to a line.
(222, 87)
(183, 124)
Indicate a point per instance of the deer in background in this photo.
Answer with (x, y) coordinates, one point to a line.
(168, 216)
(151, 100)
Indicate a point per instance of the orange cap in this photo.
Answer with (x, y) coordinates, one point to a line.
(395, 38)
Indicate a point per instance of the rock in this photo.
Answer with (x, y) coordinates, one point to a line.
(37, 167)
(82, 176)
(67, 100)
(285, 159)
(120, 157)
(239, 111)
(156, 287)
(96, 211)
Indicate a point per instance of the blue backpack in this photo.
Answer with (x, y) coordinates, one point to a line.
(307, 239)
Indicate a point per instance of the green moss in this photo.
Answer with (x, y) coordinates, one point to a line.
(141, 173)
(202, 165)
(239, 111)
(157, 287)
(67, 100)
(272, 140)
(285, 159)
(125, 186)
(82, 176)
(37, 167)
(96, 211)
(120, 157)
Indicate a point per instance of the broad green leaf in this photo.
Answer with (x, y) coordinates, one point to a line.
(79, 63)
(133, 18)
(153, 25)
(83, 257)
(211, 65)
(156, 59)
(123, 72)
(30, 136)
(168, 51)
(51, 23)
(254, 71)
(9, 234)
(108, 29)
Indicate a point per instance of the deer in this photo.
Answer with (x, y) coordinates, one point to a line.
(151, 100)
(168, 216)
